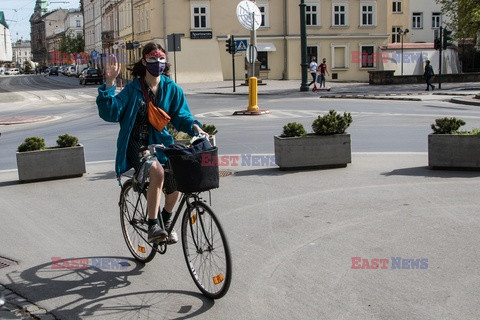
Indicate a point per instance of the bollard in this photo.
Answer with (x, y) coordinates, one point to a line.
(252, 94)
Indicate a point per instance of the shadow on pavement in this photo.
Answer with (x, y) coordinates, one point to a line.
(91, 280)
(446, 108)
(108, 175)
(276, 171)
(434, 173)
(9, 183)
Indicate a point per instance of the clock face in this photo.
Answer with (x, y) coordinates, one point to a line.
(249, 15)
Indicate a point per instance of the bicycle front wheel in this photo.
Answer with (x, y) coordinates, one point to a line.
(133, 218)
(206, 250)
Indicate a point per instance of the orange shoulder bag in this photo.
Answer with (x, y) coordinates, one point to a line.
(156, 116)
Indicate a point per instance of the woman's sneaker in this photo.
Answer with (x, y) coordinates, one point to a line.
(156, 234)
(167, 221)
(173, 237)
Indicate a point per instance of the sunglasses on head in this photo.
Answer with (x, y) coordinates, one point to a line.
(156, 59)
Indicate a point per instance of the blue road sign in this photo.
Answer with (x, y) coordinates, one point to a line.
(241, 45)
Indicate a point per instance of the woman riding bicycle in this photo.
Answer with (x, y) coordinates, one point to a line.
(129, 108)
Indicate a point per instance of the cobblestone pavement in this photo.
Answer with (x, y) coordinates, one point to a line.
(13, 306)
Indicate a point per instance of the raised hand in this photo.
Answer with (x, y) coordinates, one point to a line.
(112, 69)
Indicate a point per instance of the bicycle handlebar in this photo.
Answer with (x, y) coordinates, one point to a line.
(152, 147)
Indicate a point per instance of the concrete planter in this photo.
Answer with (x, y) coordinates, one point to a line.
(454, 151)
(313, 151)
(51, 163)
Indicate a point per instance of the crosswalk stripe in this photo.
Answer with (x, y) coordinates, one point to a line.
(86, 96)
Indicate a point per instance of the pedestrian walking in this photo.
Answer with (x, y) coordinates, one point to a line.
(313, 71)
(428, 74)
(323, 69)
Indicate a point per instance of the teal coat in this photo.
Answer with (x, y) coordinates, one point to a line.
(124, 106)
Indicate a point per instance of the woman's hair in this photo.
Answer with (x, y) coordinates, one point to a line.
(138, 70)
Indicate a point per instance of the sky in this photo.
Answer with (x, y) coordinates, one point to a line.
(18, 13)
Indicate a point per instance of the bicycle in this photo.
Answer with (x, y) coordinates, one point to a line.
(204, 243)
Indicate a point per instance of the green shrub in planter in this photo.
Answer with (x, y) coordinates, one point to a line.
(32, 144)
(332, 123)
(293, 129)
(210, 129)
(179, 135)
(447, 125)
(66, 141)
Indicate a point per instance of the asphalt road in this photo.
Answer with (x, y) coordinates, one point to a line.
(296, 237)
(378, 125)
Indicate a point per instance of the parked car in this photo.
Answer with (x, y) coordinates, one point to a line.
(53, 71)
(12, 71)
(71, 71)
(79, 68)
(91, 75)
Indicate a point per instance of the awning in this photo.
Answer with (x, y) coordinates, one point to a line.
(266, 46)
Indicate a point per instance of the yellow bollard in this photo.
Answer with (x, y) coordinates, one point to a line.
(252, 94)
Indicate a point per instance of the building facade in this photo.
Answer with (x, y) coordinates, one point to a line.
(5, 40)
(37, 33)
(74, 23)
(348, 33)
(425, 21)
(21, 53)
(55, 26)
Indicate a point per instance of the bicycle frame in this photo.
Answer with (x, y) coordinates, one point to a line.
(184, 200)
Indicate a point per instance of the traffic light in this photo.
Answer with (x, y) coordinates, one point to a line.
(436, 43)
(230, 45)
(447, 38)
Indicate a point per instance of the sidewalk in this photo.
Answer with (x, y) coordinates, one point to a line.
(379, 206)
(463, 93)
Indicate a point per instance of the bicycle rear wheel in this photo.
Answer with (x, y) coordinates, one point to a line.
(206, 250)
(133, 218)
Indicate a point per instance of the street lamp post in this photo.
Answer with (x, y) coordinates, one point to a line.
(303, 45)
(402, 34)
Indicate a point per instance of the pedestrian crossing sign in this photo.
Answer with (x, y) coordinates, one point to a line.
(241, 45)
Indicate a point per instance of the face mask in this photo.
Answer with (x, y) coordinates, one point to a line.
(155, 68)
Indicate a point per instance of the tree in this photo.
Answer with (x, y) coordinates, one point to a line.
(69, 44)
(464, 17)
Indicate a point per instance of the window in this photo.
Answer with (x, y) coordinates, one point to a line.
(311, 15)
(436, 20)
(396, 34)
(339, 15)
(417, 20)
(200, 16)
(263, 6)
(262, 56)
(262, 12)
(397, 6)
(78, 23)
(367, 15)
(312, 52)
(339, 57)
(367, 57)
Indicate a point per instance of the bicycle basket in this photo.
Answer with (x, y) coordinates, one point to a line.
(195, 172)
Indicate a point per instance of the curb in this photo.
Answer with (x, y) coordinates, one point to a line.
(374, 97)
(465, 101)
(21, 307)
